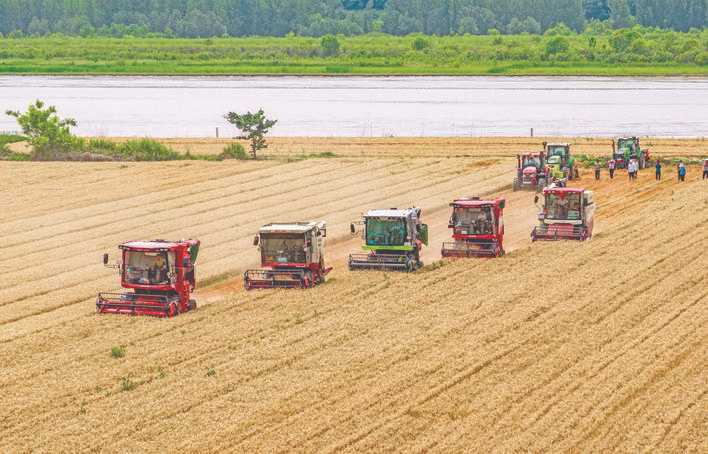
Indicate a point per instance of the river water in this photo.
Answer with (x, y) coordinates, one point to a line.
(371, 106)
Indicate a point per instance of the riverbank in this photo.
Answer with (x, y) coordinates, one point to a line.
(428, 147)
(375, 54)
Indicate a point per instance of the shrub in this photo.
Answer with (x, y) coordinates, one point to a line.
(557, 45)
(330, 45)
(117, 352)
(145, 150)
(234, 151)
(211, 372)
(420, 43)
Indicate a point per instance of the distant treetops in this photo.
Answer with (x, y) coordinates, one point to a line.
(212, 18)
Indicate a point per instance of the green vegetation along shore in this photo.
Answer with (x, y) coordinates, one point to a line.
(632, 51)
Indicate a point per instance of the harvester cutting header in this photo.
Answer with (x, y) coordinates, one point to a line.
(393, 239)
(161, 275)
(292, 256)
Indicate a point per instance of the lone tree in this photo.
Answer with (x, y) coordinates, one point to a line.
(45, 131)
(254, 127)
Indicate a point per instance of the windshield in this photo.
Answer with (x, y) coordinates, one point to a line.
(565, 208)
(557, 150)
(477, 220)
(385, 232)
(146, 268)
(283, 247)
(532, 162)
(625, 145)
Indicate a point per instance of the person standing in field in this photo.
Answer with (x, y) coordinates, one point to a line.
(681, 171)
(705, 169)
(611, 165)
(631, 169)
(658, 170)
(597, 170)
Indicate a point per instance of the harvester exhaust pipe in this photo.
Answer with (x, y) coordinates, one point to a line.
(105, 259)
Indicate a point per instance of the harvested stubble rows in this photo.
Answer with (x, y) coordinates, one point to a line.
(53, 233)
(566, 346)
(436, 147)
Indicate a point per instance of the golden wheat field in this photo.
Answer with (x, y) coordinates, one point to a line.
(556, 347)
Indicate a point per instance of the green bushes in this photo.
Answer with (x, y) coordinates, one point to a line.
(365, 54)
(234, 151)
(117, 351)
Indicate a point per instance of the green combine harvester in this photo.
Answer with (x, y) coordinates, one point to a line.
(626, 148)
(560, 160)
(393, 240)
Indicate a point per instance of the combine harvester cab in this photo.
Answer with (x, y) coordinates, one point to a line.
(161, 275)
(477, 228)
(560, 161)
(531, 172)
(567, 214)
(626, 148)
(292, 256)
(393, 240)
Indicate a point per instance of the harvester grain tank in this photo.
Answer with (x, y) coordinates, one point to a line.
(292, 256)
(477, 228)
(531, 172)
(626, 148)
(160, 276)
(393, 240)
(560, 161)
(567, 214)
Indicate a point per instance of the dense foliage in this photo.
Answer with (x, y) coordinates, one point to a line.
(599, 50)
(211, 18)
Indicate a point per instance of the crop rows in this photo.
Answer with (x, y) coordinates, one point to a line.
(558, 346)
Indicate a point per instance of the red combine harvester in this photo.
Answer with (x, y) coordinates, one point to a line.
(292, 255)
(568, 214)
(477, 228)
(531, 172)
(161, 275)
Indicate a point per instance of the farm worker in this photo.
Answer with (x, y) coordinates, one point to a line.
(682, 171)
(597, 170)
(705, 169)
(611, 165)
(658, 170)
(630, 169)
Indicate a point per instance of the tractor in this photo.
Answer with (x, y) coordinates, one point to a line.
(393, 240)
(477, 228)
(531, 172)
(626, 148)
(161, 275)
(567, 214)
(560, 161)
(292, 256)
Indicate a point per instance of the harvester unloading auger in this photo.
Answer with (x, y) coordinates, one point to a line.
(161, 275)
(477, 228)
(393, 240)
(567, 214)
(292, 256)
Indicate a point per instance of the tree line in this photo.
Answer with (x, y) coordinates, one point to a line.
(210, 18)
